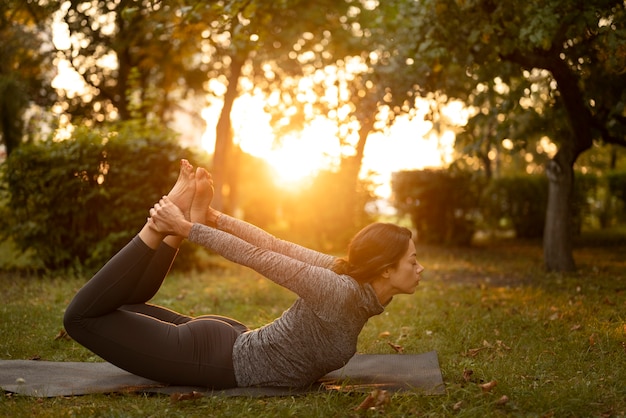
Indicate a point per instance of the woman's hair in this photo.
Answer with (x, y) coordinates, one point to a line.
(373, 249)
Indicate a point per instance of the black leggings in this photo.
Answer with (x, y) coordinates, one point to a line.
(110, 317)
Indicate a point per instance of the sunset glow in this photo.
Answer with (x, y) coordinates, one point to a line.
(407, 145)
(294, 158)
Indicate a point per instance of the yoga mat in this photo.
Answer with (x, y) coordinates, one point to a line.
(393, 372)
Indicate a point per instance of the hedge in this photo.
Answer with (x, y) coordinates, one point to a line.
(75, 202)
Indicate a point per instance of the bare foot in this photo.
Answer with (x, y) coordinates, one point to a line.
(183, 191)
(203, 197)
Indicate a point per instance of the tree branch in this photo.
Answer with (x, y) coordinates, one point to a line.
(606, 135)
(580, 118)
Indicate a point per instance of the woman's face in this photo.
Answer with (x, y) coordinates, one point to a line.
(405, 277)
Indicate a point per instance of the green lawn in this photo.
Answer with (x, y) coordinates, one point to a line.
(554, 344)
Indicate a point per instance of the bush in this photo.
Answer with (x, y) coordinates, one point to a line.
(617, 185)
(74, 203)
(443, 204)
(617, 188)
(327, 213)
(585, 201)
(519, 202)
(447, 206)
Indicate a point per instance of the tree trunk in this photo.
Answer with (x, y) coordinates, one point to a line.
(222, 156)
(366, 115)
(557, 241)
(355, 163)
(557, 236)
(606, 215)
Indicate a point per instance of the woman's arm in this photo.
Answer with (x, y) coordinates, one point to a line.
(260, 238)
(166, 217)
(319, 285)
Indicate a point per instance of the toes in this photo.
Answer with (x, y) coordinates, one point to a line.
(186, 169)
(202, 174)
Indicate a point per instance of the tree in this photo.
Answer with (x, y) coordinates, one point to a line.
(25, 65)
(341, 94)
(272, 45)
(556, 66)
(138, 59)
(334, 85)
(163, 51)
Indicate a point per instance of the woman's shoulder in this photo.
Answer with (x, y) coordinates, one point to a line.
(351, 289)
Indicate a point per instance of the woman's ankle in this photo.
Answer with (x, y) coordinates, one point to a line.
(173, 241)
(150, 237)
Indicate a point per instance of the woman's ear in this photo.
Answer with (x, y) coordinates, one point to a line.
(386, 273)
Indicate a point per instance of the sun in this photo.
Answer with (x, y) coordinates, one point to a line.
(297, 160)
(294, 158)
(408, 145)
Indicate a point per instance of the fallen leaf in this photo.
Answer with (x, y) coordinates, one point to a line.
(487, 387)
(457, 406)
(396, 347)
(376, 399)
(503, 400)
(177, 397)
(576, 327)
(63, 335)
(501, 344)
(473, 352)
(592, 340)
(384, 334)
(467, 374)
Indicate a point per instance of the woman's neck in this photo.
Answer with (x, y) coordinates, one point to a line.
(383, 292)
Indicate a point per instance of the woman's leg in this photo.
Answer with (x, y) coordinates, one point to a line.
(101, 317)
(135, 273)
(154, 274)
(194, 210)
(167, 250)
(162, 345)
(158, 312)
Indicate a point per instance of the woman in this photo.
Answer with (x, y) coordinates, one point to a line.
(317, 334)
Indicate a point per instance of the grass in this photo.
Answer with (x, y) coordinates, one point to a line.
(555, 344)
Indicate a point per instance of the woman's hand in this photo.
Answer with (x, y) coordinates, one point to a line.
(211, 217)
(167, 218)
